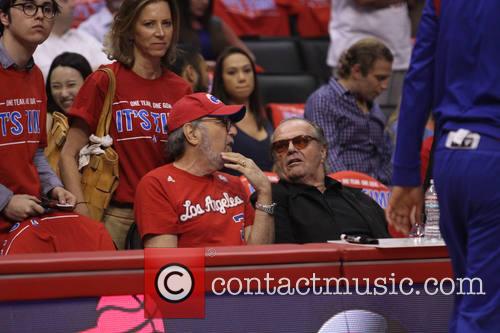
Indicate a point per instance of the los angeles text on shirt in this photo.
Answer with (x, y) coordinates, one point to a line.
(211, 205)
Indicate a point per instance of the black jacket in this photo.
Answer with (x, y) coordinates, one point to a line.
(304, 215)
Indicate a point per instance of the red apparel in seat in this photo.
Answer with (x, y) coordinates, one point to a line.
(282, 111)
(256, 17)
(313, 17)
(56, 232)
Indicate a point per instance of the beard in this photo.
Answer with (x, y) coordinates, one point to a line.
(200, 87)
(213, 158)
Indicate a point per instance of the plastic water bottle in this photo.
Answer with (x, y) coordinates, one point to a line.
(432, 213)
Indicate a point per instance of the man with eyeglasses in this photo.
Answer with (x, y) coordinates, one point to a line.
(28, 186)
(310, 206)
(189, 202)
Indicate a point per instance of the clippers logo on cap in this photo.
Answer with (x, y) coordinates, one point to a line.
(213, 99)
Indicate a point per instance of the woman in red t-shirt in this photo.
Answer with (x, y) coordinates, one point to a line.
(142, 41)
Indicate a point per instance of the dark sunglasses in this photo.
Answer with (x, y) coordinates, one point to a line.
(300, 142)
(226, 122)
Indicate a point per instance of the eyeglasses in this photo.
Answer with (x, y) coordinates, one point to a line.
(30, 9)
(226, 122)
(300, 142)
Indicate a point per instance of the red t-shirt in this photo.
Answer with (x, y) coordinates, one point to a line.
(255, 18)
(23, 107)
(84, 9)
(313, 18)
(202, 211)
(56, 232)
(139, 124)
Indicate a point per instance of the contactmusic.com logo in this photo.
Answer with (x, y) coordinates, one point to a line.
(174, 283)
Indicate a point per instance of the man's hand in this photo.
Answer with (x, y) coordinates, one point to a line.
(250, 170)
(22, 206)
(62, 196)
(405, 207)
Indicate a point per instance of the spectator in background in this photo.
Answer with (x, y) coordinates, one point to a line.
(190, 203)
(312, 207)
(65, 78)
(235, 82)
(208, 33)
(64, 38)
(143, 43)
(190, 65)
(387, 20)
(354, 125)
(84, 9)
(27, 183)
(258, 17)
(312, 17)
(98, 24)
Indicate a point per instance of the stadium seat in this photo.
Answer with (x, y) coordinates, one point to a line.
(286, 88)
(314, 53)
(279, 112)
(273, 178)
(277, 56)
(375, 189)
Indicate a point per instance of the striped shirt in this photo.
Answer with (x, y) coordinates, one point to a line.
(357, 140)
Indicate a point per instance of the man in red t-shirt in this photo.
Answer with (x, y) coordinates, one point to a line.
(25, 175)
(189, 203)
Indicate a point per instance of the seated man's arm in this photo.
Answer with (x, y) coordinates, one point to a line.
(17, 207)
(160, 241)
(155, 217)
(52, 186)
(374, 214)
(282, 220)
(262, 230)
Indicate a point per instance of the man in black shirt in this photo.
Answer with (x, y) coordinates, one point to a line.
(312, 207)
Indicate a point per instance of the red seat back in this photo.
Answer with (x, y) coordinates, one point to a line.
(280, 112)
(273, 178)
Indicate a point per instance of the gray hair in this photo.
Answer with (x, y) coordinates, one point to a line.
(176, 145)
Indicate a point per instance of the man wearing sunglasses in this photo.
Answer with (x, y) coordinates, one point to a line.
(310, 206)
(353, 123)
(26, 179)
(189, 202)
